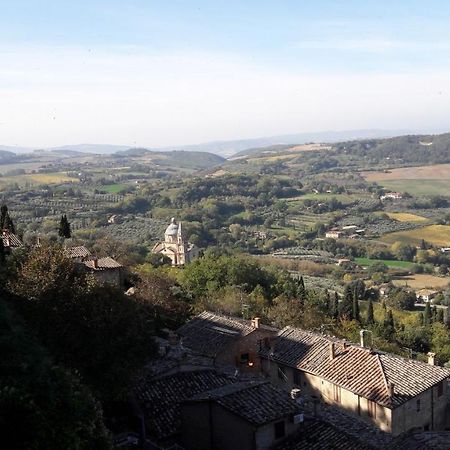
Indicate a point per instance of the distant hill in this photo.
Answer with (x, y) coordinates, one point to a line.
(7, 157)
(227, 148)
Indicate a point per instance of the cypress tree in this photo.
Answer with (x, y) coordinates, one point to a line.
(346, 306)
(370, 317)
(356, 306)
(2, 251)
(427, 314)
(335, 309)
(388, 325)
(3, 213)
(301, 292)
(421, 319)
(8, 224)
(64, 227)
(440, 315)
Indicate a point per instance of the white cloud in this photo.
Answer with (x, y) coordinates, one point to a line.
(52, 96)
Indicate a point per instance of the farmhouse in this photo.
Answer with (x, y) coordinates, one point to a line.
(392, 195)
(391, 393)
(334, 234)
(426, 295)
(175, 245)
(106, 270)
(227, 341)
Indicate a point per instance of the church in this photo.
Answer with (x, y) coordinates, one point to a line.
(175, 245)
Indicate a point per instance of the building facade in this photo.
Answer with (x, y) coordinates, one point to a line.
(392, 393)
(175, 245)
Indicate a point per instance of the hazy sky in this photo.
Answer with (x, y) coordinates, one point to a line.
(155, 73)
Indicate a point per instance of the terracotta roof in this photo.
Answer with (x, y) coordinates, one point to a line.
(209, 333)
(320, 435)
(10, 240)
(79, 251)
(363, 371)
(102, 264)
(160, 399)
(255, 401)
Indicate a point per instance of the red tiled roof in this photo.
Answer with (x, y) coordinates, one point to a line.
(210, 333)
(365, 372)
(160, 399)
(77, 252)
(10, 240)
(255, 401)
(102, 264)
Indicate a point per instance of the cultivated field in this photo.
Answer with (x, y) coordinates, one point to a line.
(434, 179)
(434, 172)
(421, 281)
(38, 178)
(406, 217)
(434, 234)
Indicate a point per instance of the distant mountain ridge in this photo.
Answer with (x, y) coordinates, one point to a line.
(231, 147)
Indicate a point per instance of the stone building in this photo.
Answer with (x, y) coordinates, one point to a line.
(392, 393)
(226, 341)
(106, 270)
(249, 415)
(175, 245)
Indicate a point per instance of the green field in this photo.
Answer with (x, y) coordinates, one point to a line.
(418, 187)
(113, 188)
(390, 263)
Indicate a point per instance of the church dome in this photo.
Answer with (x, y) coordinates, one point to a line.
(172, 229)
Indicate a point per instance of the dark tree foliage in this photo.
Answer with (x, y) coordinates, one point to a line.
(370, 317)
(6, 222)
(346, 306)
(427, 317)
(356, 306)
(64, 228)
(42, 406)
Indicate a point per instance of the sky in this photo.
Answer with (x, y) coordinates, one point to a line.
(166, 73)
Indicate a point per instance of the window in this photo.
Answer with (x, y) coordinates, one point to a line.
(371, 409)
(281, 374)
(336, 393)
(440, 389)
(418, 405)
(245, 358)
(279, 430)
(297, 377)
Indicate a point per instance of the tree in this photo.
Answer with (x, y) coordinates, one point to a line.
(6, 222)
(335, 306)
(346, 306)
(2, 252)
(370, 317)
(427, 319)
(440, 315)
(64, 228)
(356, 306)
(42, 405)
(388, 326)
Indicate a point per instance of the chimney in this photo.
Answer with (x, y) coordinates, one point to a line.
(255, 322)
(38, 241)
(332, 351)
(431, 358)
(391, 387)
(95, 263)
(363, 335)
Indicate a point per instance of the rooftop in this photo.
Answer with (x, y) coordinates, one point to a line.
(102, 263)
(363, 371)
(210, 333)
(10, 240)
(79, 251)
(315, 434)
(257, 402)
(160, 399)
